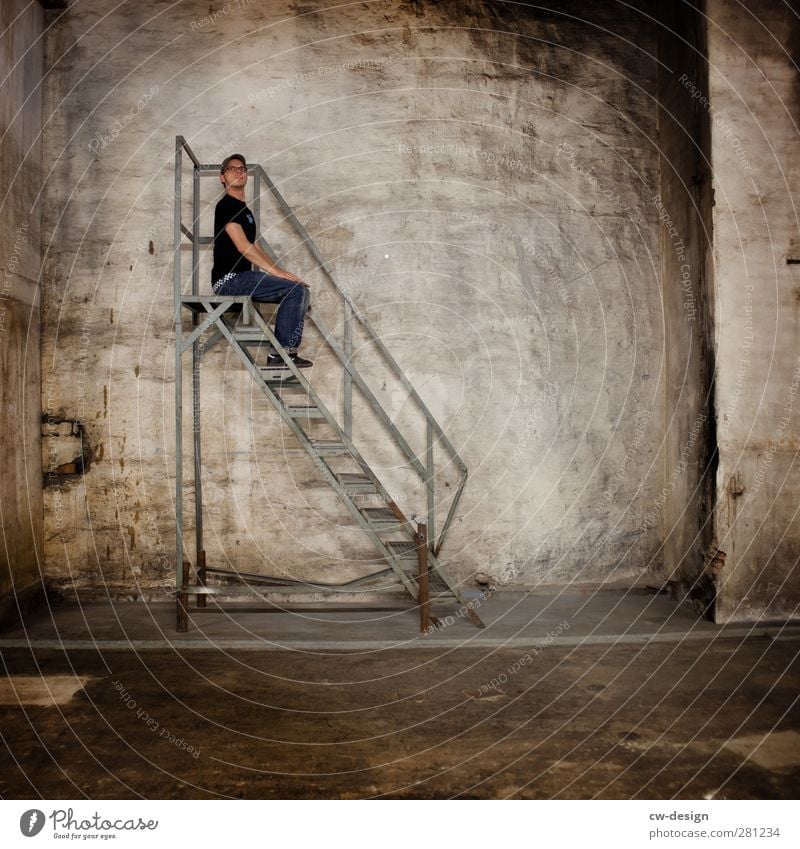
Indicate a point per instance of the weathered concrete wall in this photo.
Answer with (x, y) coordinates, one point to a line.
(753, 89)
(481, 176)
(20, 257)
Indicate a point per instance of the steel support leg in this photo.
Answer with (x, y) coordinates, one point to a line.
(182, 610)
(201, 577)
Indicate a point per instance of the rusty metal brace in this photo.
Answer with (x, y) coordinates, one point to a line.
(427, 621)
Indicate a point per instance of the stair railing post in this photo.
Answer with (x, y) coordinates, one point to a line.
(196, 359)
(423, 597)
(180, 574)
(429, 481)
(348, 378)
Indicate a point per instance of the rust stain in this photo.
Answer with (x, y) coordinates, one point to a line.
(397, 511)
(735, 488)
(717, 563)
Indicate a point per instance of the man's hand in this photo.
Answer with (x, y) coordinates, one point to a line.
(289, 276)
(254, 253)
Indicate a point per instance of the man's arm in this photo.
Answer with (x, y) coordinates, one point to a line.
(254, 253)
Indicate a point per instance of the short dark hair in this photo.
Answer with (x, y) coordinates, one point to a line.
(228, 159)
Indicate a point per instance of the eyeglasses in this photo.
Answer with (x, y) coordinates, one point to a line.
(239, 169)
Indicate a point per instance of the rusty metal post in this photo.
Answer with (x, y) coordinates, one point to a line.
(201, 577)
(423, 597)
(182, 602)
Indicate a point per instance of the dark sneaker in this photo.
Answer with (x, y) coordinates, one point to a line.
(275, 360)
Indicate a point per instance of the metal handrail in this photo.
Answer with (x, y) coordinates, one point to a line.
(425, 470)
(353, 311)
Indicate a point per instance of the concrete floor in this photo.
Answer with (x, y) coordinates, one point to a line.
(568, 695)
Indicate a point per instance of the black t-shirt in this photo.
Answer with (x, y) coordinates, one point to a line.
(226, 258)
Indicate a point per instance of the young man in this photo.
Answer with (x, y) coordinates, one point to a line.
(235, 253)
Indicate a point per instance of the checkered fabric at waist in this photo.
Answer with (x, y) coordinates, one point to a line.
(218, 285)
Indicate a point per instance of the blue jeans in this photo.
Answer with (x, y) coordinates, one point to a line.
(271, 289)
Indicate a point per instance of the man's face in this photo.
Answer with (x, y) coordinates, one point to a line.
(235, 175)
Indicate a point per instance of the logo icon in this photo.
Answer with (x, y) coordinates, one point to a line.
(31, 822)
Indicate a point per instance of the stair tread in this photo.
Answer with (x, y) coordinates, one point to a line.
(407, 550)
(380, 514)
(305, 410)
(403, 547)
(353, 479)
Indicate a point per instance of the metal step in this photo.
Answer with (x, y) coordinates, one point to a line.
(250, 337)
(249, 334)
(403, 549)
(406, 551)
(305, 411)
(280, 378)
(353, 482)
(383, 519)
(281, 371)
(329, 447)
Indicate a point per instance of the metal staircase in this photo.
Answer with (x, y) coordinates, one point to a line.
(410, 549)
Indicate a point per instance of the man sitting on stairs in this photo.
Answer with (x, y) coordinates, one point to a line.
(235, 253)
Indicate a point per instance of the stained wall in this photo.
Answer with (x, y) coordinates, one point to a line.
(481, 176)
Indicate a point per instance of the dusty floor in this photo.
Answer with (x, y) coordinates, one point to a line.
(715, 715)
